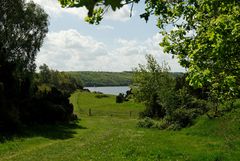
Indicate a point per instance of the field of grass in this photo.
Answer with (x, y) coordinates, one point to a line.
(104, 106)
(110, 134)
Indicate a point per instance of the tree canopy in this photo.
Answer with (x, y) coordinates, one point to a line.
(23, 27)
(205, 37)
(64, 82)
(152, 83)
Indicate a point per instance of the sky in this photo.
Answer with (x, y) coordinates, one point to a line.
(119, 43)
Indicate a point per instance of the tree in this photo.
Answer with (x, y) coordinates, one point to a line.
(23, 27)
(205, 38)
(22, 30)
(152, 84)
(44, 74)
(206, 41)
(64, 82)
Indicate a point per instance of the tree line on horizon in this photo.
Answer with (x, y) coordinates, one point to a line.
(99, 78)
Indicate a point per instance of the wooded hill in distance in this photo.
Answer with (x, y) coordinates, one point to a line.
(91, 78)
(95, 78)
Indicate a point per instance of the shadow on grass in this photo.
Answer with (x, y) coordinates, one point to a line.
(58, 131)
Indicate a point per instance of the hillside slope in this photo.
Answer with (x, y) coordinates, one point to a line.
(111, 134)
(90, 79)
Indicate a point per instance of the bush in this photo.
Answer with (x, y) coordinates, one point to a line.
(178, 117)
(9, 113)
(183, 117)
(101, 96)
(153, 110)
(174, 127)
(120, 98)
(186, 109)
(230, 105)
(52, 107)
(236, 104)
(9, 117)
(186, 114)
(161, 124)
(145, 123)
(128, 95)
(177, 104)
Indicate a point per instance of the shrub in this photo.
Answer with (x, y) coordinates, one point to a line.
(120, 98)
(9, 113)
(174, 126)
(183, 117)
(145, 123)
(161, 124)
(49, 107)
(153, 110)
(9, 117)
(230, 105)
(128, 95)
(101, 96)
(236, 104)
(178, 118)
(186, 109)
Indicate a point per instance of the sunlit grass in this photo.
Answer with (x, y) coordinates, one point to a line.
(105, 106)
(107, 137)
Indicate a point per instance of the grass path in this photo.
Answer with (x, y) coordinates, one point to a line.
(108, 137)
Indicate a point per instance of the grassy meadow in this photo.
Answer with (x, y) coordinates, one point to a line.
(110, 134)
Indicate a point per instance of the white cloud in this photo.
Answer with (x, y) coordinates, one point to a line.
(54, 9)
(122, 14)
(133, 52)
(70, 50)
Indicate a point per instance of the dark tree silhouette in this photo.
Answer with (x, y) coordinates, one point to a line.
(23, 27)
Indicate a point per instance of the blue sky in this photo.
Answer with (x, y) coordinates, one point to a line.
(119, 43)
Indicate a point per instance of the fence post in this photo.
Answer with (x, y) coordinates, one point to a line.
(89, 112)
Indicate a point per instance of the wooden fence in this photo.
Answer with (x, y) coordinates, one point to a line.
(96, 112)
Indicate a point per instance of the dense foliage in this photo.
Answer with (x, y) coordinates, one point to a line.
(47, 108)
(48, 78)
(23, 27)
(205, 37)
(168, 98)
(152, 84)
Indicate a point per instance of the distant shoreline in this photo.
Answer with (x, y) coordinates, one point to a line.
(106, 79)
(113, 90)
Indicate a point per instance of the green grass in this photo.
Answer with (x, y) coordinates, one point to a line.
(109, 136)
(104, 106)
